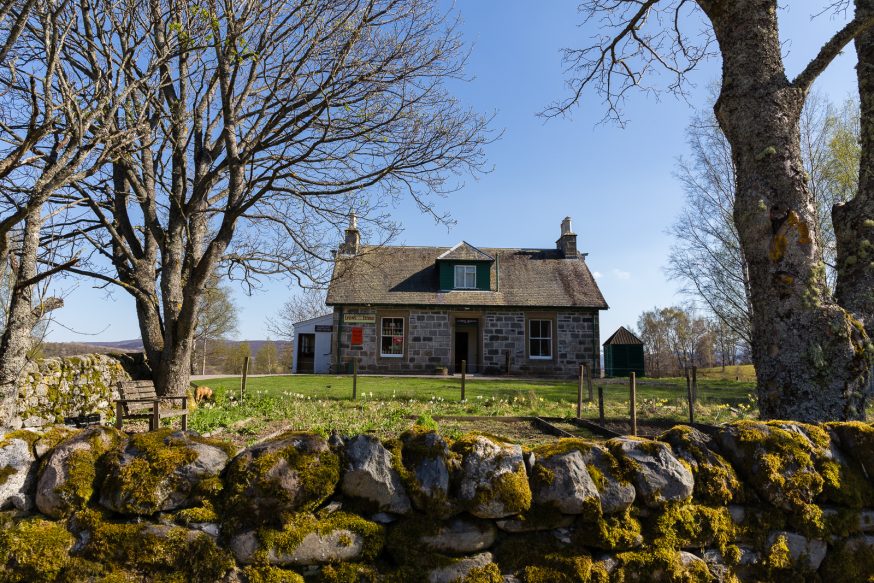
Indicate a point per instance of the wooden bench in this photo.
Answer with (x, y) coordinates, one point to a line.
(138, 400)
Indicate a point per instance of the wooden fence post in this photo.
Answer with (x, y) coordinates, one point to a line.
(690, 397)
(580, 391)
(245, 375)
(463, 377)
(632, 383)
(695, 382)
(354, 378)
(601, 405)
(589, 385)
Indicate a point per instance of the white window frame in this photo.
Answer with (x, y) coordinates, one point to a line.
(547, 338)
(402, 335)
(465, 271)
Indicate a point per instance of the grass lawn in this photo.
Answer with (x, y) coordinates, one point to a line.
(323, 402)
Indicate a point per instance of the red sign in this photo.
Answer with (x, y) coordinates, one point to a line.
(357, 336)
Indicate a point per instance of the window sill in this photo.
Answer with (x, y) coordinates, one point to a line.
(391, 355)
(539, 358)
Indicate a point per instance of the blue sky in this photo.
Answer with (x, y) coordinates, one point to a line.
(617, 184)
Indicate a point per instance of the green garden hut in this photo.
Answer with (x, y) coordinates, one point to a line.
(623, 354)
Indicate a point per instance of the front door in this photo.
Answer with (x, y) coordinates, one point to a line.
(461, 349)
(306, 353)
(466, 342)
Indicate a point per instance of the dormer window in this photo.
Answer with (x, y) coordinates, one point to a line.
(465, 277)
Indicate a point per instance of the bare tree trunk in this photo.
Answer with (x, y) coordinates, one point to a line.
(854, 220)
(21, 318)
(805, 347)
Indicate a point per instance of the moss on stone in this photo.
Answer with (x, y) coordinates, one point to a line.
(5, 473)
(715, 480)
(782, 462)
(139, 480)
(34, 550)
(465, 444)
(298, 526)
(658, 564)
(349, 573)
(248, 478)
(53, 436)
(611, 533)
(485, 574)
(849, 561)
(30, 437)
(85, 467)
(153, 550)
(562, 446)
(680, 526)
(197, 515)
(267, 574)
(559, 568)
(510, 489)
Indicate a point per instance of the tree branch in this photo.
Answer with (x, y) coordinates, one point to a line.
(830, 51)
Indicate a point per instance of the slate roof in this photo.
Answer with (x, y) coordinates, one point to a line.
(623, 336)
(409, 276)
(464, 251)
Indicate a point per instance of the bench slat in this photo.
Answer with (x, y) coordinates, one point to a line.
(138, 400)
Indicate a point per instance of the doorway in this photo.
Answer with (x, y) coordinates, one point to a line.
(466, 343)
(306, 353)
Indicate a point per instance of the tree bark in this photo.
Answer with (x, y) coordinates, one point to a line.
(808, 351)
(21, 318)
(854, 220)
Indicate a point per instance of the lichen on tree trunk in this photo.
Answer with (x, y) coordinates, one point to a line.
(810, 353)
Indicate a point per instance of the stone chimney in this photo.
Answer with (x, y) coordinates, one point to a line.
(353, 236)
(567, 243)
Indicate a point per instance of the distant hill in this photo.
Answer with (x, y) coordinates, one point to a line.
(50, 349)
(126, 345)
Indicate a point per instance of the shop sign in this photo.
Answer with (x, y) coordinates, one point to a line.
(359, 318)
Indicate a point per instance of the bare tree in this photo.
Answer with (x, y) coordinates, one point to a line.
(272, 121)
(811, 351)
(216, 318)
(57, 106)
(309, 303)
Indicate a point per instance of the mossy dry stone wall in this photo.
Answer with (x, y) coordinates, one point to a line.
(753, 501)
(54, 388)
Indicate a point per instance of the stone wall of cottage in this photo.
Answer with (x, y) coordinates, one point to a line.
(429, 343)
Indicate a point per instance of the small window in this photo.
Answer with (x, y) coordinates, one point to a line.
(392, 337)
(540, 339)
(465, 277)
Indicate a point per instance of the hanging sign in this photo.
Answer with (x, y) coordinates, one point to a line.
(357, 336)
(359, 318)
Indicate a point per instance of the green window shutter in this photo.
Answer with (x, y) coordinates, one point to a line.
(447, 274)
(483, 276)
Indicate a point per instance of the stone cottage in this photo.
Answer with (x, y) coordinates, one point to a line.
(503, 311)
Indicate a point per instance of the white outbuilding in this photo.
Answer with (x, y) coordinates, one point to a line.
(312, 345)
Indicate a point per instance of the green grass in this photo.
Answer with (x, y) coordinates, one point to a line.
(449, 388)
(385, 405)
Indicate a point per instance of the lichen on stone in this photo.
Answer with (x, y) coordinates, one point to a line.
(268, 574)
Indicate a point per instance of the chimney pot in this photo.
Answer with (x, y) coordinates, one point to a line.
(353, 236)
(567, 242)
